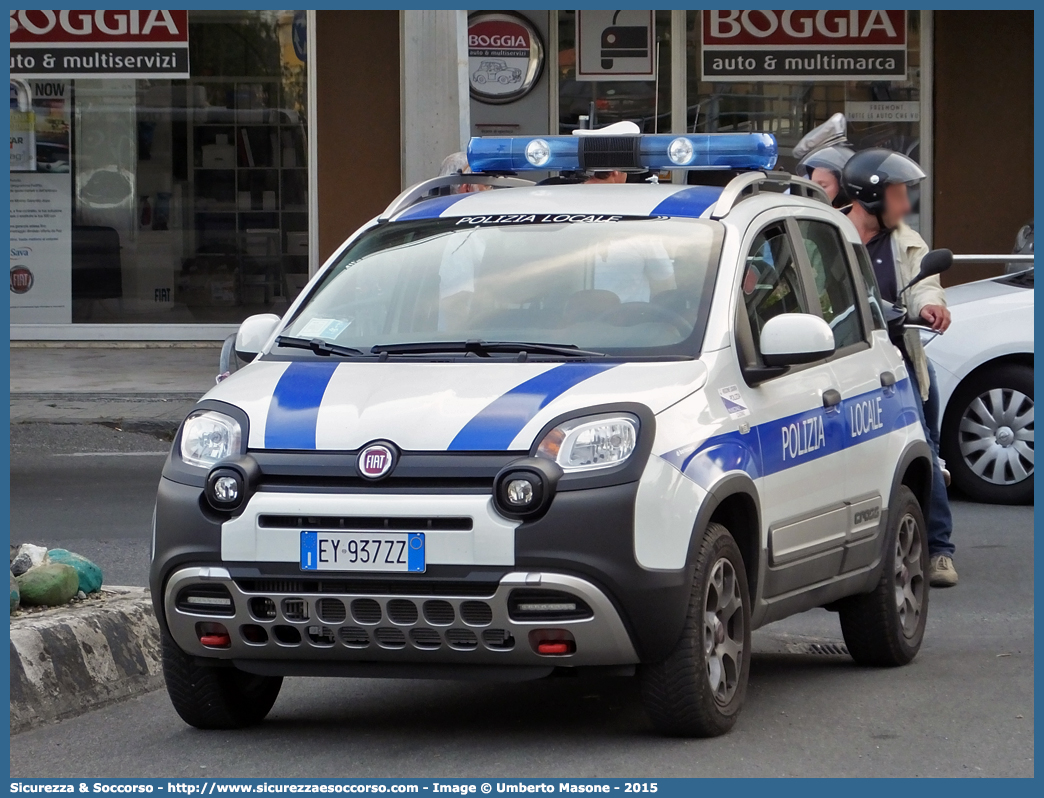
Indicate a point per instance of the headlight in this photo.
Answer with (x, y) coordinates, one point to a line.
(586, 444)
(208, 437)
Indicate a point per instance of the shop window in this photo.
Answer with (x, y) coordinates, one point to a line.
(790, 109)
(645, 102)
(189, 198)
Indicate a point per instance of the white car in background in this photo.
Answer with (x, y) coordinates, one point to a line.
(984, 365)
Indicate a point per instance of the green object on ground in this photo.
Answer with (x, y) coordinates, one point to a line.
(90, 575)
(48, 585)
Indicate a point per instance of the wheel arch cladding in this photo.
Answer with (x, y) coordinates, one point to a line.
(915, 471)
(736, 508)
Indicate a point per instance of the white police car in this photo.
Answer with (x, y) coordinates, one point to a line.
(593, 427)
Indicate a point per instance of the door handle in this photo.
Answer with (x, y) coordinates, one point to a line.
(831, 398)
(887, 379)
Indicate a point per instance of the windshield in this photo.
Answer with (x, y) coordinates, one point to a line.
(616, 285)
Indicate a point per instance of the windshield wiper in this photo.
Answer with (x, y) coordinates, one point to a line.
(484, 348)
(318, 345)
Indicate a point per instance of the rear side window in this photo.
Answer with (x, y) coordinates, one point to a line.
(873, 292)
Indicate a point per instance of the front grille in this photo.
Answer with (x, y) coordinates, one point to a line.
(287, 635)
(610, 152)
(462, 638)
(439, 613)
(321, 636)
(329, 484)
(330, 610)
(425, 638)
(295, 609)
(354, 637)
(476, 613)
(366, 587)
(500, 639)
(402, 611)
(389, 637)
(366, 611)
(264, 609)
(451, 524)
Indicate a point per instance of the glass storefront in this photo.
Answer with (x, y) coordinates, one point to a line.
(880, 113)
(187, 199)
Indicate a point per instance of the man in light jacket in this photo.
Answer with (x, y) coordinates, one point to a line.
(877, 181)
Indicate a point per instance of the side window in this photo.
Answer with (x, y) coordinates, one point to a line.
(837, 296)
(873, 292)
(771, 283)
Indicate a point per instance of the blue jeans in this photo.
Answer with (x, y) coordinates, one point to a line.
(938, 516)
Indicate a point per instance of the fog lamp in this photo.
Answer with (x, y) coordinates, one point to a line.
(520, 492)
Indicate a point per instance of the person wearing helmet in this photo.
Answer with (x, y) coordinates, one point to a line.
(877, 181)
(823, 167)
(822, 153)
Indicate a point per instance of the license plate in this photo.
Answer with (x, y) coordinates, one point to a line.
(362, 551)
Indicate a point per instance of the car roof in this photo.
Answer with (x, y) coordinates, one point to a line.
(661, 199)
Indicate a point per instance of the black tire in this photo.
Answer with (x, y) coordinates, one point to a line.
(1011, 380)
(215, 698)
(677, 693)
(877, 630)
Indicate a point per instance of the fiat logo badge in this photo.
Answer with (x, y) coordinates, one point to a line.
(376, 460)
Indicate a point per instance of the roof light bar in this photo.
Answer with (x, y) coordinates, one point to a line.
(626, 153)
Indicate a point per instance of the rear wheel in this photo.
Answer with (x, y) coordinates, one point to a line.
(699, 689)
(886, 627)
(987, 436)
(215, 698)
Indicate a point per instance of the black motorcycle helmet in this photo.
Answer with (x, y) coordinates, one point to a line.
(867, 173)
(833, 159)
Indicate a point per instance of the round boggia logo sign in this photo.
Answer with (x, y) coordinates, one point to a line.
(376, 460)
(21, 280)
(505, 56)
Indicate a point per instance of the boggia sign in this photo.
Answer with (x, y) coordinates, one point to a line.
(125, 44)
(505, 56)
(768, 45)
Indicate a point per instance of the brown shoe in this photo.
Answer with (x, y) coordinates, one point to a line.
(941, 572)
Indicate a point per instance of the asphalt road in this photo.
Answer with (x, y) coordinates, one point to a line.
(963, 707)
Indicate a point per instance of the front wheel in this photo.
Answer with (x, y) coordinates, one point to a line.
(699, 689)
(885, 628)
(215, 698)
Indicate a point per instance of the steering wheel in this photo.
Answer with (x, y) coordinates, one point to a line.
(631, 313)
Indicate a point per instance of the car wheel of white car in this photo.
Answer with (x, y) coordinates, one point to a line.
(987, 435)
(699, 689)
(885, 628)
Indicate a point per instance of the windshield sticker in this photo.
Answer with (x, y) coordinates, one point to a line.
(323, 328)
(539, 218)
(735, 404)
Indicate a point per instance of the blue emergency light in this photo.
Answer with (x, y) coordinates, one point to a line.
(626, 152)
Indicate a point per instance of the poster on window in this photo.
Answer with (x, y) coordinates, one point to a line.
(615, 45)
(41, 208)
(842, 44)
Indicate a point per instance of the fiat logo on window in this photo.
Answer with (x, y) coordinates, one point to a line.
(21, 280)
(376, 460)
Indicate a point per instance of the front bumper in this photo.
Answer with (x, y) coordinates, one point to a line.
(298, 620)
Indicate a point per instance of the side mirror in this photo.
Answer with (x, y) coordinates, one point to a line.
(254, 333)
(935, 262)
(791, 339)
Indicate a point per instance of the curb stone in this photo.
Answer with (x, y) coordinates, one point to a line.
(73, 659)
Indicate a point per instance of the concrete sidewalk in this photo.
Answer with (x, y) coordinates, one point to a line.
(149, 388)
